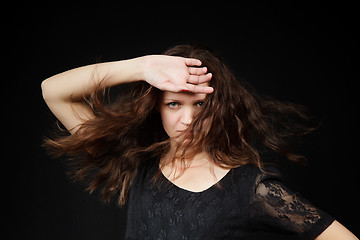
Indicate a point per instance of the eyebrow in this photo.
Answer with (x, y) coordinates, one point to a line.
(178, 100)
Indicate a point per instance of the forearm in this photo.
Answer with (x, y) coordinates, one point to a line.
(74, 84)
(64, 92)
(336, 231)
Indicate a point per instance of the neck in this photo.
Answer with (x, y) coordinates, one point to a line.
(198, 160)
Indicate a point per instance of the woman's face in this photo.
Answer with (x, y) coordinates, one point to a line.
(178, 110)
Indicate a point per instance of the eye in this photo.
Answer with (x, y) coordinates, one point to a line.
(173, 104)
(199, 104)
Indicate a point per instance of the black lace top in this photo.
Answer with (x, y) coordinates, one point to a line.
(248, 205)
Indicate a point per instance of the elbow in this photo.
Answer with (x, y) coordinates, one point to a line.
(45, 90)
(49, 91)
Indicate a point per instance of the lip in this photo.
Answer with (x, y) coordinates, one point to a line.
(183, 133)
(180, 131)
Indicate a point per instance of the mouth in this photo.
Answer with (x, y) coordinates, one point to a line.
(181, 131)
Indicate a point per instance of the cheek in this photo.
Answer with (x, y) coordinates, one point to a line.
(168, 119)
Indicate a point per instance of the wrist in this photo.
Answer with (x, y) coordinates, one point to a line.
(125, 71)
(148, 67)
(136, 68)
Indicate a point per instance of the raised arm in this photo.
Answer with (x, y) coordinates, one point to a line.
(64, 92)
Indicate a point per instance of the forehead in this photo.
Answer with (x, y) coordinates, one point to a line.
(183, 96)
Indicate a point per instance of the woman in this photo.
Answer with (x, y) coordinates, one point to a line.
(184, 147)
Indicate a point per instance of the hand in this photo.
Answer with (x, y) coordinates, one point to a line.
(176, 74)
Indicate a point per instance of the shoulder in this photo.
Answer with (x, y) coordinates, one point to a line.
(145, 171)
(250, 177)
(254, 174)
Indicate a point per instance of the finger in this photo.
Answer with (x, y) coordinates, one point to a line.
(194, 79)
(197, 71)
(192, 62)
(168, 86)
(200, 89)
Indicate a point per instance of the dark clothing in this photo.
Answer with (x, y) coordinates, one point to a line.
(248, 202)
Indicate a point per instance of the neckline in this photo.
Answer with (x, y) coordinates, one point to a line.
(196, 192)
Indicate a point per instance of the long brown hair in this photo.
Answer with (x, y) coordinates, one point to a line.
(108, 149)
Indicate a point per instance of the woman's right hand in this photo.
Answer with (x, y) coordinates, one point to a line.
(176, 74)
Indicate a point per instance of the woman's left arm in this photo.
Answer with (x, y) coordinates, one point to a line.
(336, 231)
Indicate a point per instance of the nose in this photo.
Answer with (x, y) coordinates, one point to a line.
(187, 116)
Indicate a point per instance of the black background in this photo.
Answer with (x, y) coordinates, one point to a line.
(305, 54)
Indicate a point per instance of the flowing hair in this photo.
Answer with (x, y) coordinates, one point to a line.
(108, 149)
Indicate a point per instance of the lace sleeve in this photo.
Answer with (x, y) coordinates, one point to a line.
(276, 207)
